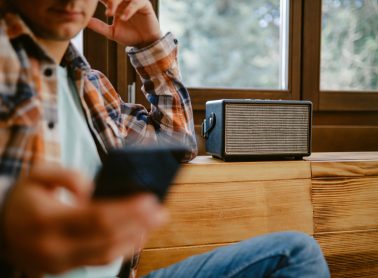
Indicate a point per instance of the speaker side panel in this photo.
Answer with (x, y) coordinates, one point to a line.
(215, 141)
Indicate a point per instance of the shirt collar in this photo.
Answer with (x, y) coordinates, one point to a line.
(75, 60)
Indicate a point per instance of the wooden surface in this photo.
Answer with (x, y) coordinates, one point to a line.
(332, 196)
(330, 157)
(205, 169)
(345, 201)
(351, 254)
(345, 204)
(232, 211)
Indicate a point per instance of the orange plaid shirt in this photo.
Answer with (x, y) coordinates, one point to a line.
(28, 101)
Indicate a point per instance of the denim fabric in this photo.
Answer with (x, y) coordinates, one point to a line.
(284, 254)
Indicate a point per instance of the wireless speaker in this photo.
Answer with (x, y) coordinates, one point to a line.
(249, 129)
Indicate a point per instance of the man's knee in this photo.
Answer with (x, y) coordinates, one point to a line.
(302, 254)
(301, 243)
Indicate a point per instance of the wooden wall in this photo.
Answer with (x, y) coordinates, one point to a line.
(345, 200)
(331, 196)
(214, 203)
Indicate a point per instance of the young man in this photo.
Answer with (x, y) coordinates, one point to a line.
(58, 117)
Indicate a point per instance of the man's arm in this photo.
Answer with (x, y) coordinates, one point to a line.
(170, 119)
(171, 110)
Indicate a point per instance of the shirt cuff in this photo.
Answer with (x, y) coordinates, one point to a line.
(155, 58)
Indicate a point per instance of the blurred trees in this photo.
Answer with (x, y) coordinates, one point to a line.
(236, 43)
(232, 43)
(350, 45)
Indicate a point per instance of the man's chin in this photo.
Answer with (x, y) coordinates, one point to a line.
(59, 33)
(59, 36)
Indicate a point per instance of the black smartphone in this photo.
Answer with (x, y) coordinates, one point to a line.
(131, 170)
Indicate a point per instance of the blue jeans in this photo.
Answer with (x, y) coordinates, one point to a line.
(285, 254)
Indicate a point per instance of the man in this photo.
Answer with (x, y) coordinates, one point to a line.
(58, 117)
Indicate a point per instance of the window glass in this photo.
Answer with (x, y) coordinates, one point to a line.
(349, 51)
(230, 43)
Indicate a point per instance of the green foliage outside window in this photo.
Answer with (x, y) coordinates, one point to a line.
(349, 45)
(236, 43)
(226, 43)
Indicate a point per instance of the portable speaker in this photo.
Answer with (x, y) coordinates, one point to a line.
(249, 129)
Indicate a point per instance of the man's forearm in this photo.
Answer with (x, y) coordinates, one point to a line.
(171, 110)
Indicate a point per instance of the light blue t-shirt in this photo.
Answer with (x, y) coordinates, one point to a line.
(78, 151)
(78, 148)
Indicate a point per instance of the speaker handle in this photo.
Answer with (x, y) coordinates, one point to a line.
(205, 129)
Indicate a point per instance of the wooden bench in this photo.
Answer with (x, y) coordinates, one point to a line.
(331, 196)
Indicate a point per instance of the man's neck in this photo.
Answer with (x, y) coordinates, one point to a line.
(55, 49)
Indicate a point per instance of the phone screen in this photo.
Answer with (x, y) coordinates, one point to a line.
(129, 171)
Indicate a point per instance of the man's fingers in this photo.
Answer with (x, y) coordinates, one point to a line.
(100, 27)
(110, 229)
(102, 250)
(125, 9)
(143, 210)
(105, 218)
(54, 176)
(104, 2)
(131, 8)
(111, 6)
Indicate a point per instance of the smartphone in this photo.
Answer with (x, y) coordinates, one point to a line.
(132, 170)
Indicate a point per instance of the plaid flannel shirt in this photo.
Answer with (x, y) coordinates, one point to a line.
(28, 101)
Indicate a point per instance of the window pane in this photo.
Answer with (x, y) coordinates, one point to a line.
(349, 57)
(230, 43)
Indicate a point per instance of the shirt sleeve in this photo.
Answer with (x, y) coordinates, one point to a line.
(10, 158)
(170, 119)
(9, 165)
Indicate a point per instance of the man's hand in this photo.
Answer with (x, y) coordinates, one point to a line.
(134, 22)
(44, 235)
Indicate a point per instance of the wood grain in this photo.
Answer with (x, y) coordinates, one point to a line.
(205, 169)
(153, 259)
(353, 254)
(211, 213)
(349, 164)
(214, 203)
(344, 169)
(345, 204)
(343, 156)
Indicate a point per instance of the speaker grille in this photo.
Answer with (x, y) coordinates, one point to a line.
(265, 129)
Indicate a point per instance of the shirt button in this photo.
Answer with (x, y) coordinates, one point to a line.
(51, 125)
(48, 72)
